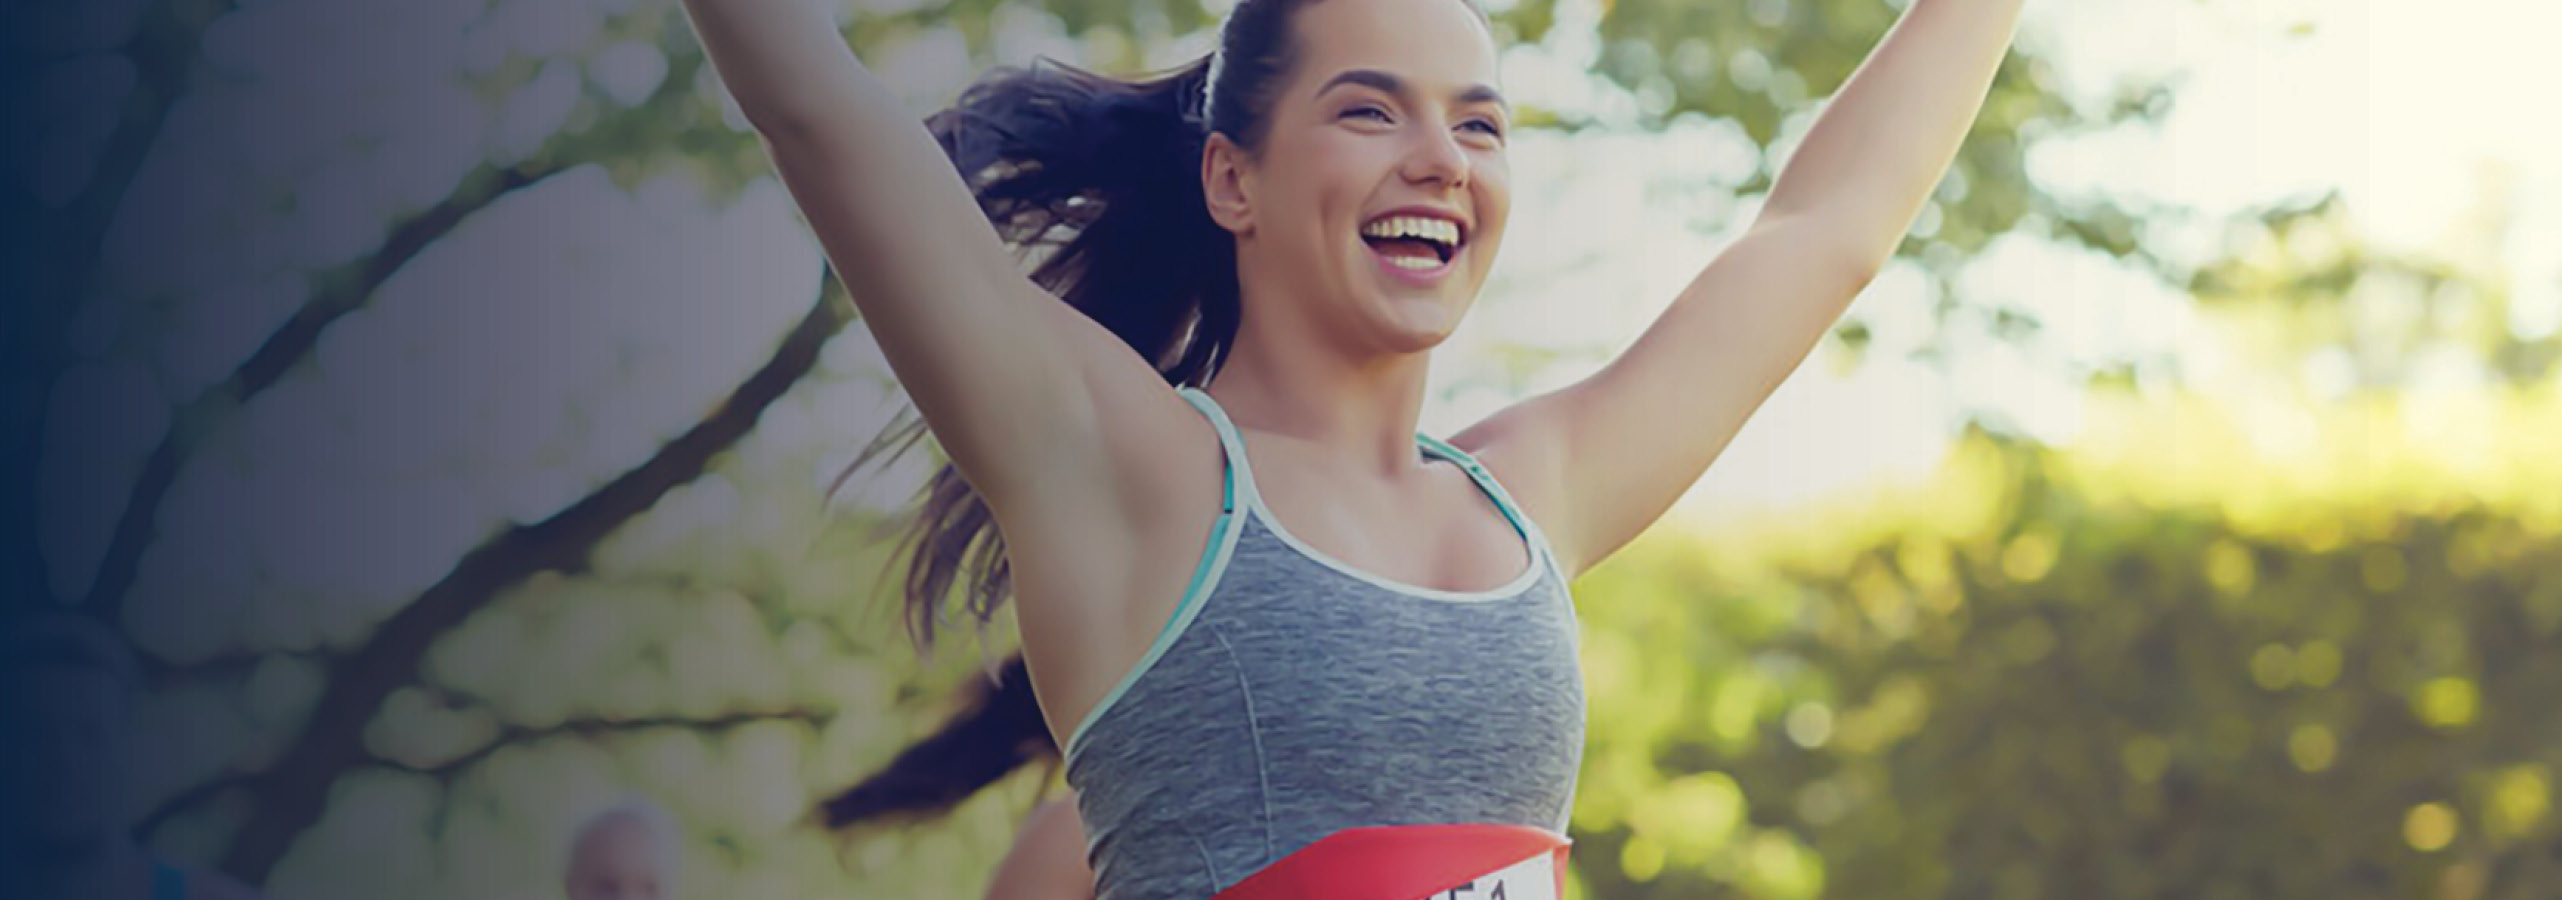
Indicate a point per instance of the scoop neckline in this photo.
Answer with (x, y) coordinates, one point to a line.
(1239, 454)
(1529, 575)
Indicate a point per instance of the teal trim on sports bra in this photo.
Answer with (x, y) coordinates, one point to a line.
(1205, 574)
(1485, 481)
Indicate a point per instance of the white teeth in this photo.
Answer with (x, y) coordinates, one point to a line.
(1442, 231)
(1418, 263)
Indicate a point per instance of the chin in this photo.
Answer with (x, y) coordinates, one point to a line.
(1407, 321)
(1417, 326)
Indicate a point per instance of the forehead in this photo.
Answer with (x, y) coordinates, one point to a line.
(1434, 43)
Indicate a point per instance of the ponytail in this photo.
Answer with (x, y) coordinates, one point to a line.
(1099, 180)
(996, 731)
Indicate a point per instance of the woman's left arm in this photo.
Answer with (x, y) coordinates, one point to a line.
(1603, 458)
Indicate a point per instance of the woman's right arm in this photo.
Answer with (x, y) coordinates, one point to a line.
(1014, 384)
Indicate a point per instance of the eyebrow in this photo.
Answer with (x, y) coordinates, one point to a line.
(1391, 84)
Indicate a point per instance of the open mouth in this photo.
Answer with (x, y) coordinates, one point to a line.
(1415, 243)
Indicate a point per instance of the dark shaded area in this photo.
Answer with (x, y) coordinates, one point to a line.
(996, 730)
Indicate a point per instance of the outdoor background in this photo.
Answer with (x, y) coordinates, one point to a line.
(442, 395)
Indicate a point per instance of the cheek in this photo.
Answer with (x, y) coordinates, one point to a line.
(1334, 168)
(1294, 198)
(1494, 202)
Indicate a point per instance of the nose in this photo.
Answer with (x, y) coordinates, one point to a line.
(1435, 157)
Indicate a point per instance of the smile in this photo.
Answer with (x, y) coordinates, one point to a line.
(1417, 247)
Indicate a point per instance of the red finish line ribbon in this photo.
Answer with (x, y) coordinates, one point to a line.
(1417, 862)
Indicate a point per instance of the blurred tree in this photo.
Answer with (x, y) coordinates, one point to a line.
(2069, 674)
(2313, 294)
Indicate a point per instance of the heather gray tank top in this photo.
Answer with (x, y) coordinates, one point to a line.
(1291, 696)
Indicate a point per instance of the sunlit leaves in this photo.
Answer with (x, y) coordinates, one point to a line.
(2133, 694)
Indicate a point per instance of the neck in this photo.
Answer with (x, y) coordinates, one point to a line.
(1359, 408)
(99, 866)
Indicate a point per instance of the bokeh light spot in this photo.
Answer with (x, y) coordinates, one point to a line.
(2429, 827)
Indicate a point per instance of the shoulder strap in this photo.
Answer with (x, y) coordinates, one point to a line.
(1239, 476)
(1485, 482)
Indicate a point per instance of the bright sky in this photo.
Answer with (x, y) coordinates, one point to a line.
(2404, 107)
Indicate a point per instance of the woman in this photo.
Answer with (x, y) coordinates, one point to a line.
(1278, 633)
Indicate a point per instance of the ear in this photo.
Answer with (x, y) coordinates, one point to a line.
(1227, 183)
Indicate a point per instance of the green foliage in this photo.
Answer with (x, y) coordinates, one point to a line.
(2052, 690)
(1767, 65)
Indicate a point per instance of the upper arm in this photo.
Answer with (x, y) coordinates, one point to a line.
(1015, 385)
(1603, 458)
(1047, 861)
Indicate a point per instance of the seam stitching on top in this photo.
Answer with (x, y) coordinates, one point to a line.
(1254, 730)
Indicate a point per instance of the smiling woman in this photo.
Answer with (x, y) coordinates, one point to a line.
(1287, 644)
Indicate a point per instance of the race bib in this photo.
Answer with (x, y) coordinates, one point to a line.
(1416, 862)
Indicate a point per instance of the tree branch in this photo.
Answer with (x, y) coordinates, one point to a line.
(159, 675)
(294, 792)
(591, 729)
(596, 729)
(356, 284)
(53, 259)
(288, 345)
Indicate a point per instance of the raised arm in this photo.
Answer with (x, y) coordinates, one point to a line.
(1605, 457)
(1006, 376)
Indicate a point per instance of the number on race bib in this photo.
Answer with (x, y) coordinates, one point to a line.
(1530, 879)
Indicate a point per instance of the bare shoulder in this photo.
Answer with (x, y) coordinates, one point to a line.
(1155, 456)
(1139, 426)
(1101, 548)
(1091, 525)
(1522, 446)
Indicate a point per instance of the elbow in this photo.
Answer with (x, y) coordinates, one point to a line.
(795, 113)
(1856, 255)
(1846, 257)
(1858, 269)
(778, 123)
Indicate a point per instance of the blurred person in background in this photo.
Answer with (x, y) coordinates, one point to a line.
(628, 851)
(68, 686)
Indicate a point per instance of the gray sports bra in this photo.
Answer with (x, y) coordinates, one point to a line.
(1291, 696)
